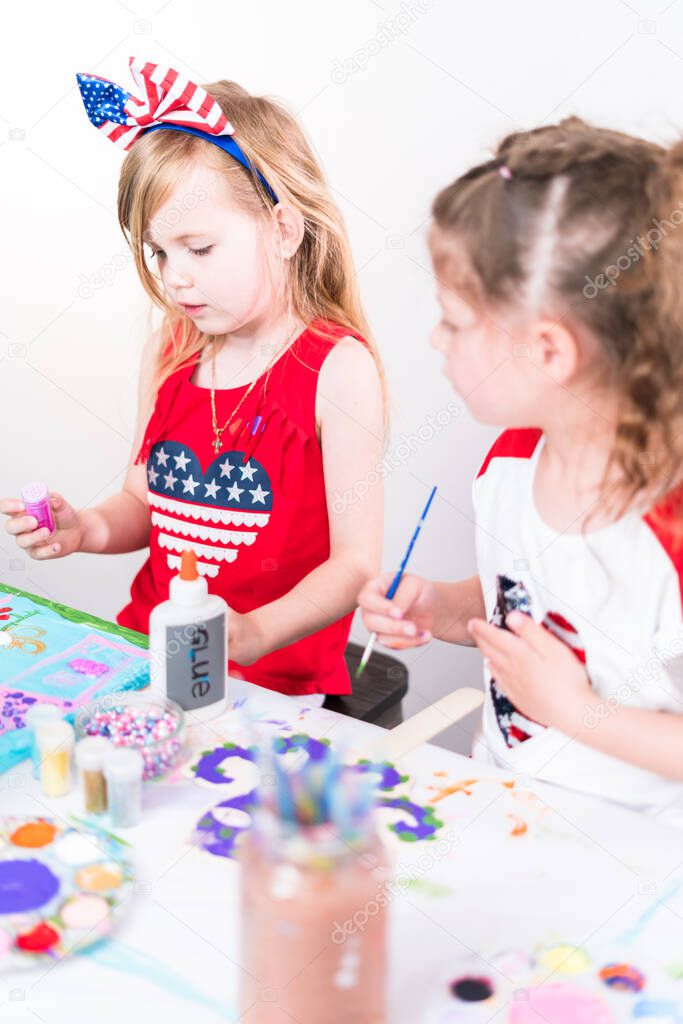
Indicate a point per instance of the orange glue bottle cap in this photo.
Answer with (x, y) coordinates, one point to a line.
(188, 587)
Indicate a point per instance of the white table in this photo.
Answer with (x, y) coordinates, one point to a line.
(520, 867)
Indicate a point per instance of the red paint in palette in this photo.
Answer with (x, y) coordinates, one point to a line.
(39, 940)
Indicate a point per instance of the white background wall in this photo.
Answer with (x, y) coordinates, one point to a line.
(398, 98)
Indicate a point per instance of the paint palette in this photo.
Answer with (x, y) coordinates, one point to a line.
(559, 983)
(61, 889)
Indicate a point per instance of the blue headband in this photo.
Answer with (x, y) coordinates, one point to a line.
(227, 143)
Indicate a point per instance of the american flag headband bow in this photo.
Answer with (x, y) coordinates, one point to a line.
(170, 101)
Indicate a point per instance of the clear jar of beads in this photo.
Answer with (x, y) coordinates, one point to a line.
(149, 723)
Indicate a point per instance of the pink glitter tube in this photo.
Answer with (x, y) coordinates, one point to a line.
(36, 499)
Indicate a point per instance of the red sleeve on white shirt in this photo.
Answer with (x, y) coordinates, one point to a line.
(513, 444)
(666, 522)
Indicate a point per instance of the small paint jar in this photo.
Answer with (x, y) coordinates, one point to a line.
(123, 768)
(90, 756)
(35, 714)
(36, 499)
(55, 748)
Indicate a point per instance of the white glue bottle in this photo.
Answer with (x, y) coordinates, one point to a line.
(188, 644)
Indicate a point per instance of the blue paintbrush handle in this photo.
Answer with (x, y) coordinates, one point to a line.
(394, 583)
(401, 569)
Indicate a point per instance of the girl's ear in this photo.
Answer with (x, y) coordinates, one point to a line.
(556, 350)
(290, 228)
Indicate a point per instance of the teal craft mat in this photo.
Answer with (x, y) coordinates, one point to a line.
(53, 654)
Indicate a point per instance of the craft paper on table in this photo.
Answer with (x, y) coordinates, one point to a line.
(53, 654)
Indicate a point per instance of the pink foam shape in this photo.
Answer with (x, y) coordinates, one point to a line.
(90, 644)
(86, 667)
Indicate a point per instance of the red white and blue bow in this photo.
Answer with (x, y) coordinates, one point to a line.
(170, 101)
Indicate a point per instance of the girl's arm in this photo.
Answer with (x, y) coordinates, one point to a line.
(349, 412)
(457, 603)
(121, 523)
(649, 739)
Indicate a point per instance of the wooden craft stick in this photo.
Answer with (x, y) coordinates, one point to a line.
(428, 723)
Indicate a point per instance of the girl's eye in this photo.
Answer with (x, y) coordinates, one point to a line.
(195, 252)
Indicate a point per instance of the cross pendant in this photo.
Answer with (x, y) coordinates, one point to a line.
(217, 446)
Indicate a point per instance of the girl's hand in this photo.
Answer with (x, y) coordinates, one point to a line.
(539, 673)
(244, 640)
(405, 621)
(41, 544)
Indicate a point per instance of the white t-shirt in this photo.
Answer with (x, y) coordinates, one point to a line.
(613, 594)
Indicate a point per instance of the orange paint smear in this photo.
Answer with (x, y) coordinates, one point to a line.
(464, 787)
(34, 834)
(457, 787)
(519, 827)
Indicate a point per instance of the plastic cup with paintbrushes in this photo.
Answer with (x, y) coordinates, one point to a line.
(312, 857)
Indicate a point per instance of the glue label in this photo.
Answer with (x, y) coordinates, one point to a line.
(195, 662)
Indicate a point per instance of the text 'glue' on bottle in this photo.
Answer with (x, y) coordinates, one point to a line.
(188, 641)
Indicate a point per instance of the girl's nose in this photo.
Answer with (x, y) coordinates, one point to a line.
(174, 278)
(436, 340)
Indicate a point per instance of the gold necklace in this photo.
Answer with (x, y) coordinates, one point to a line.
(219, 431)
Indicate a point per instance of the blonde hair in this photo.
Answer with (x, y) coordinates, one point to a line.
(322, 280)
(569, 205)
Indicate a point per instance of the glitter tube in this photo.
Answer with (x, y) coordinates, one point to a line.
(55, 747)
(123, 769)
(36, 499)
(90, 755)
(35, 714)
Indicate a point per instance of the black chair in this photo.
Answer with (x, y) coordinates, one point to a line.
(377, 695)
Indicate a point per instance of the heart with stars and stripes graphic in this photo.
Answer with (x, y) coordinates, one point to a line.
(513, 596)
(214, 512)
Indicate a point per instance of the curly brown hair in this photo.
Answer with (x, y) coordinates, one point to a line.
(585, 227)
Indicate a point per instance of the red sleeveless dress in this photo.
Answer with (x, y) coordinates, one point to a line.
(255, 514)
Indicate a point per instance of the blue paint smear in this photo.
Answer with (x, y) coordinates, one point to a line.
(661, 1009)
(118, 956)
(671, 890)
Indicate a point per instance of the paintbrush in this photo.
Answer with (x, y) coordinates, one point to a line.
(395, 582)
(92, 826)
